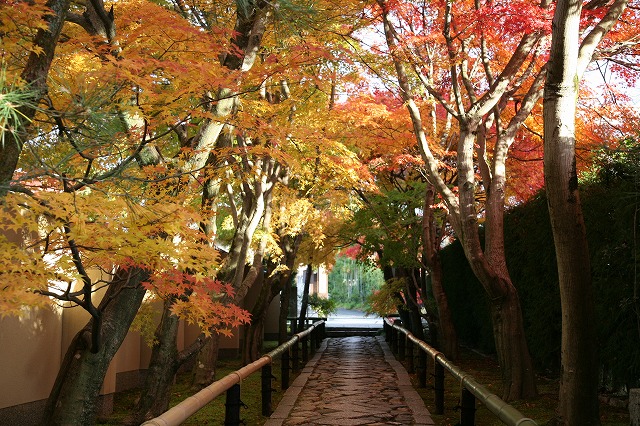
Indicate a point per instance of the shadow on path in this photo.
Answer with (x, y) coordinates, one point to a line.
(352, 381)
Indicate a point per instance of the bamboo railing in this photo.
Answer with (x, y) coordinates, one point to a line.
(470, 389)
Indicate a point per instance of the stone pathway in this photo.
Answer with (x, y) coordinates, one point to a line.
(351, 381)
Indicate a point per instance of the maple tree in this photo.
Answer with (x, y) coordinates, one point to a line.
(135, 152)
(474, 114)
(44, 28)
(98, 135)
(398, 222)
(483, 65)
(275, 145)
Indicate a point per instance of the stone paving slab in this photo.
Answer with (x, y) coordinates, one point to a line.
(351, 381)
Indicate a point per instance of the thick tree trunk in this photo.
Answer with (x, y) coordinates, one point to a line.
(447, 335)
(518, 375)
(236, 273)
(255, 204)
(154, 399)
(163, 366)
(518, 378)
(73, 400)
(578, 403)
(271, 287)
(205, 367)
(508, 329)
(254, 332)
(253, 339)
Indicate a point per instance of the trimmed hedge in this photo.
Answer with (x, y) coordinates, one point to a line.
(611, 206)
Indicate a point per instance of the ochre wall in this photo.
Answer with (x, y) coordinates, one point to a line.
(30, 349)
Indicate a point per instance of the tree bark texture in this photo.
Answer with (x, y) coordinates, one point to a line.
(446, 331)
(164, 364)
(35, 75)
(578, 403)
(73, 399)
(285, 301)
(506, 313)
(254, 332)
(154, 399)
(415, 323)
(305, 297)
(513, 353)
(272, 285)
(205, 367)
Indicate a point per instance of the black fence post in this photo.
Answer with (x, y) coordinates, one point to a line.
(305, 349)
(232, 406)
(410, 360)
(295, 349)
(467, 408)
(422, 368)
(312, 341)
(395, 336)
(319, 330)
(392, 333)
(266, 389)
(387, 331)
(438, 386)
(284, 370)
(402, 340)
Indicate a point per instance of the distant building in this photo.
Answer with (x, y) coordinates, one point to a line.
(319, 283)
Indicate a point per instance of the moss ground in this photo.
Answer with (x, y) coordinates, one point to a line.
(486, 371)
(213, 413)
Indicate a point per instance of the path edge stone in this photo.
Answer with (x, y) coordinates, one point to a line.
(421, 414)
(290, 396)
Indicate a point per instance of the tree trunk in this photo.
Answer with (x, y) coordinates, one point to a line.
(578, 403)
(235, 272)
(518, 376)
(205, 368)
(163, 366)
(446, 332)
(154, 399)
(305, 297)
(285, 300)
(490, 269)
(512, 349)
(254, 332)
(253, 339)
(415, 319)
(73, 399)
(271, 287)
(447, 335)
(35, 75)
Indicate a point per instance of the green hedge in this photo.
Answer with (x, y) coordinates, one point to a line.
(610, 204)
(467, 300)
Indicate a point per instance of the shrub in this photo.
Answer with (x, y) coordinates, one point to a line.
(323, 306)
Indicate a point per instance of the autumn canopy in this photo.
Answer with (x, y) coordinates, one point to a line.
(183, 152)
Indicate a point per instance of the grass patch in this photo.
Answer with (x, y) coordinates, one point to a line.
(214, 412)
(486, 371)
